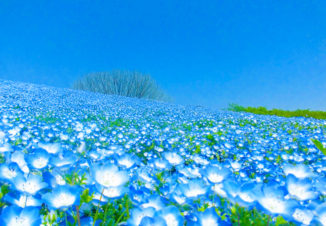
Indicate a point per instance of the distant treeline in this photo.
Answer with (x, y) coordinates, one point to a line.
(278, 112)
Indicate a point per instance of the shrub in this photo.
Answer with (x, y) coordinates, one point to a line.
(278, 112)
(123, 83)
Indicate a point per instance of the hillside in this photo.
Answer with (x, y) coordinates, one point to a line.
(84, 157)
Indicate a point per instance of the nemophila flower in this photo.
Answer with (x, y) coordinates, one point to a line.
(300, 189)
(194, 189)
(51, 148)
(321, 214)
(173, 158)
(171, 215)
(8, 172)
(38, 159)
(303, 216)
(219, 190)
(161, 164)
(5, 148)
(54, 178)
(216, 174)
(232, 188)
(154, 201)
(200, 160)
(19, 158)
(236, 165)
(112, 192)
(247, 195)
(16, 216)
(320, 185)
(209, 217)
(62, 197)
(30, 185)
(137, 215)
(2, 137)
(271, 199)
(127, 161)
(139, 195)
(190, 172)
(150, 221)
(109, 175)
(299, 171)
(23, 200)
(64, 160)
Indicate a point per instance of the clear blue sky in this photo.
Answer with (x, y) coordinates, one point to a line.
(270, 53)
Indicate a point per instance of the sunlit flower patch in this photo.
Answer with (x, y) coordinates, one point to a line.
(79, 158)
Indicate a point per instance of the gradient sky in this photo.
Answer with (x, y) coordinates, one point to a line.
(269, 53)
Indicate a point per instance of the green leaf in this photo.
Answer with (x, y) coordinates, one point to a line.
(280, 221)
(319, 145)
(85, 197)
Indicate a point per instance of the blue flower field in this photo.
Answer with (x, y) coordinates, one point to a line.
(70, 157)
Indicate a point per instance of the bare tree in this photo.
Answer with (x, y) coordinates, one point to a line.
(123, 83)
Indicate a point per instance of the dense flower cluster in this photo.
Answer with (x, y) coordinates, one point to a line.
(92, 159)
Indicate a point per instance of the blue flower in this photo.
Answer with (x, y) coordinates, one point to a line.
(321, 213)
(19, 158)
(300, 189)
(22, 200)
(271, 199)
(247, 195)
(112, 192)
(209, 217)
(30, 185)
(194, 189)
(216, 174)
(150, 221)
(127, 161)
(173, 158)
(171, 215)
(16, 216)
(64, 160)
(109, 175)
(38, 159)
(51, 148)
(137, 215)
(154, 201)
(303, 216)
(62, 197)
(9, 172)
(299, 171)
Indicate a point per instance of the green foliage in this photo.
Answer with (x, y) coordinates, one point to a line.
(319, 145)
(48, 118)
(2, 158)
(86, 197)
(278, 112)
(73, 178)
(161, 180)
(17, 107)
(243, 216)
(114, 211)
(3, 191)
(204, 123)
(211, 140)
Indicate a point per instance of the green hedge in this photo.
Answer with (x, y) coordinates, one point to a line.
(278, 112)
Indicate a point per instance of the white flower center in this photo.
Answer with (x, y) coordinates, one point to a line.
(40, 162)
(19, 221)
(273, 205)
(171, 220)
(63, 199)
(215, 177)
(9, 173)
